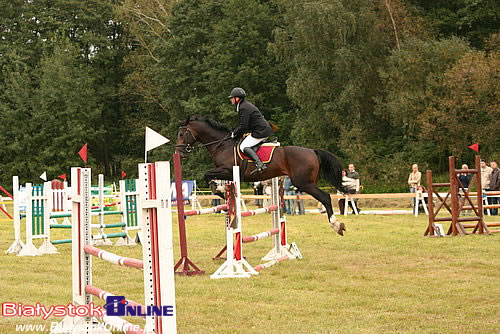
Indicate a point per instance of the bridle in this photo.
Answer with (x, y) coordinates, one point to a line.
(188, 148)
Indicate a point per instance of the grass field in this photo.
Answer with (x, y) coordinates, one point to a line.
(383, 276)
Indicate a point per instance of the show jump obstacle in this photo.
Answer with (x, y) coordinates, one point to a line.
(452, 204)
(43, 205)
(154, 211)
(236, 265)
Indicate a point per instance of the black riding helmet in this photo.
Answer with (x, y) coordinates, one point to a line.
(237, 92)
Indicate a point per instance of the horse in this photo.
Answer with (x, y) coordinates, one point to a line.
(304, 166)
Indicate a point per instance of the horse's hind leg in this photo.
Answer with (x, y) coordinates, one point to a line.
(313, 190)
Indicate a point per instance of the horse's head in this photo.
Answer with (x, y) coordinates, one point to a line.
(185, 139)
(203, 129)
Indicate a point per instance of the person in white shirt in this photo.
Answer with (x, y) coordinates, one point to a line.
(414, 180)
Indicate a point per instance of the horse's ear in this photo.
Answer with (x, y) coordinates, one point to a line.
(184, 123)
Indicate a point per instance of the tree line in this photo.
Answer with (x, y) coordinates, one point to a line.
(380, 83)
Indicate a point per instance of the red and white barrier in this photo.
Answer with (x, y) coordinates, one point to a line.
(263, 235)
(236, 265)
(259, 211)
(205, 211)
(154, 210)
(113, 258)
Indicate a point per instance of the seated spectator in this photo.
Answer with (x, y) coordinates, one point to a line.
(420, 191)
(494, 186)
(414, 181)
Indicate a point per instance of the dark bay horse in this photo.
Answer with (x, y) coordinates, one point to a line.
(303, 165)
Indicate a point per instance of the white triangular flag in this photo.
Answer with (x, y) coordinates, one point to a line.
(153, 140)
(44, 176)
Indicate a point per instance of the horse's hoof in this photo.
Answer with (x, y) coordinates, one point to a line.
(337, 226)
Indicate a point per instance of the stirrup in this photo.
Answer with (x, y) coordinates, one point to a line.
(258, 170)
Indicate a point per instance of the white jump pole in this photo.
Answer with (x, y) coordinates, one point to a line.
(17, 245)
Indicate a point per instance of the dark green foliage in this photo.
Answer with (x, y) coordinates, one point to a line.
(382, 84)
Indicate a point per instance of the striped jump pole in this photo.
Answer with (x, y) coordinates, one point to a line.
(154, 213)
(101, 294)
(271, 263)
(260, 236)
(205, 211)
(259, 211)
(113, 258)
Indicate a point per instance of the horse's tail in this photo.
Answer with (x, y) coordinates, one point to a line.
(330, 169)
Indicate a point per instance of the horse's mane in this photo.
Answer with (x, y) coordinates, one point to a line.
(210, 121)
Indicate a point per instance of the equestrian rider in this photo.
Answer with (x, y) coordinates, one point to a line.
(251, 120)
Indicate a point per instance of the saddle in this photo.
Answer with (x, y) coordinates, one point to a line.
(265, 150)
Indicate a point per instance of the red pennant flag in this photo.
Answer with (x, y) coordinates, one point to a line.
(83, 153)
(62, 177)
(474, 147)
(123, 175)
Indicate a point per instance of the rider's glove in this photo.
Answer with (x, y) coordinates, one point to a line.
(232, 134)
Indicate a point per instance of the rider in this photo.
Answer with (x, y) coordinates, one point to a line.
(251, 120)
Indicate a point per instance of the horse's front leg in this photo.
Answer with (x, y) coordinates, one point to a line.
(219, 173)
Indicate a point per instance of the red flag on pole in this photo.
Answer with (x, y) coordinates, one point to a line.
(83, 153)
(123, 175)
(62, 177)
(474, 147)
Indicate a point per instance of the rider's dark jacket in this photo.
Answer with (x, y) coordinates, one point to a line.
(252, 120)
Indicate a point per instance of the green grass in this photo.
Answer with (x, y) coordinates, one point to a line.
(382, 277)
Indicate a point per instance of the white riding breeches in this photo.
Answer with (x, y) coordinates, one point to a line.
(250, 141)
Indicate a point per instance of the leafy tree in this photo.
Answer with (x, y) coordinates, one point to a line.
(214, 46)
(468, 111)
(474, 20)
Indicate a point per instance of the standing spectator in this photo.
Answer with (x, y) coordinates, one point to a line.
(494, 186)
(350, 184)
(485, 178)
(215, 188)
(464, 179)
(266, 190)
(485, 175)
(300, 203)
(414, 180)
(353, 174)
(258, 190)
(289, 191)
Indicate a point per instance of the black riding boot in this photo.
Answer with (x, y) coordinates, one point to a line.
(249, 152)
